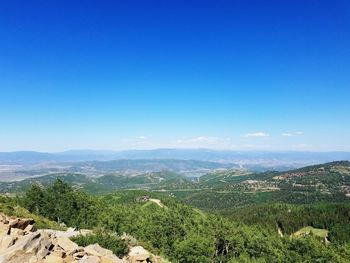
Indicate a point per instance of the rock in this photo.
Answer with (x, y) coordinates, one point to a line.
(33, 259)
(69, 259)
(13, 221)
(43, 252)
(21, 242)
(79, 254)
(58, 253)
(7, 241)
(21, 257)
(98, 249)
(53, 259)
(90, 259)
(4, 228)
(16, 232)
(92, 252)
(138, 254)
(22, 223)
(67, 245)
(69, 233)
(21, 245)
(112, 259)
(40, 244)
(3, 218)
(30, 228)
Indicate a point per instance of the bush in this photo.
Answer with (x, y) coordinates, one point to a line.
(106, 240)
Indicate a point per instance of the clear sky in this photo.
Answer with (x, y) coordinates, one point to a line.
(247, 75)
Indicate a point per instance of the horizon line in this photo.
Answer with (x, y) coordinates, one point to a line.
(183, 149)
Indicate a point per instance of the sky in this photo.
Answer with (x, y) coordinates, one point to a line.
(240, 75)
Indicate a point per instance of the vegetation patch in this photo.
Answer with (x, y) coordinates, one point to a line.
(309, 230)
(104, 239)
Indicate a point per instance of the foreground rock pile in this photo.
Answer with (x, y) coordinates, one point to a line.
(21, 242)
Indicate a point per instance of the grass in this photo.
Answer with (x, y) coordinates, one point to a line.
(322, 233)
(10, 208)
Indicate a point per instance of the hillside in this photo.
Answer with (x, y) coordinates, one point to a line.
(217, 190)
(222, 190)
(20, 170)
(97, 185)
(174, 230)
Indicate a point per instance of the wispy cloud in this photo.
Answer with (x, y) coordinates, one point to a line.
(256, 134)
(291, 134)
(205, 139)
(142, 137)
(199, 139)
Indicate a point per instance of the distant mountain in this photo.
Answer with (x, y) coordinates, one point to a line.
(148, 165)
(25, 157)
(189, 168)
(256, 160)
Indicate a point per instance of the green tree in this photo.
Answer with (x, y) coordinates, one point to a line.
(34, 199)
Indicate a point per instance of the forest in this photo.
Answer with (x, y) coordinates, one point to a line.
(183, 233)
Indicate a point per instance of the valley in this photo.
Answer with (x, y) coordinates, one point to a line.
(227, 214)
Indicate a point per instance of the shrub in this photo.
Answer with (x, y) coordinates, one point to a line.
(106, 240)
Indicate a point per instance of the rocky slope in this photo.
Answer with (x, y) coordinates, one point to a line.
(21, 242)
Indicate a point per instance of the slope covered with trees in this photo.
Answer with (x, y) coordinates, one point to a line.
(177, 231)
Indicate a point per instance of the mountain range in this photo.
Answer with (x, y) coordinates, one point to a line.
(253, 159)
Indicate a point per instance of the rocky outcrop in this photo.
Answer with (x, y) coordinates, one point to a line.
(21, 242)
(138, 254)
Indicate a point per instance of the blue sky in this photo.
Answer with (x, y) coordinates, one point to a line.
(245, 75)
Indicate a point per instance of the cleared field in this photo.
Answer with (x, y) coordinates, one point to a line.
(323, 233)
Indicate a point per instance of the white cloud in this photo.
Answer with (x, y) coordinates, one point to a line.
(142, 137)
(291, 134)
(256, 134)
(205, 139)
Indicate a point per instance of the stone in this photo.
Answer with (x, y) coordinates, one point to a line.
(33, 259)
(6, 241)
(138, 254)
(70, 259)
(53, 259)
(91, 252)
(4, 228)
(79, 254)
(58, 253)
(40, 244)
(22, 223)
(16, 232)
(21, 257)
(13, 221)
(23, 244)
(30, 228)
(112, 259)
(43, 252)
(100, 250)
(67, 245)
(90, 259)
